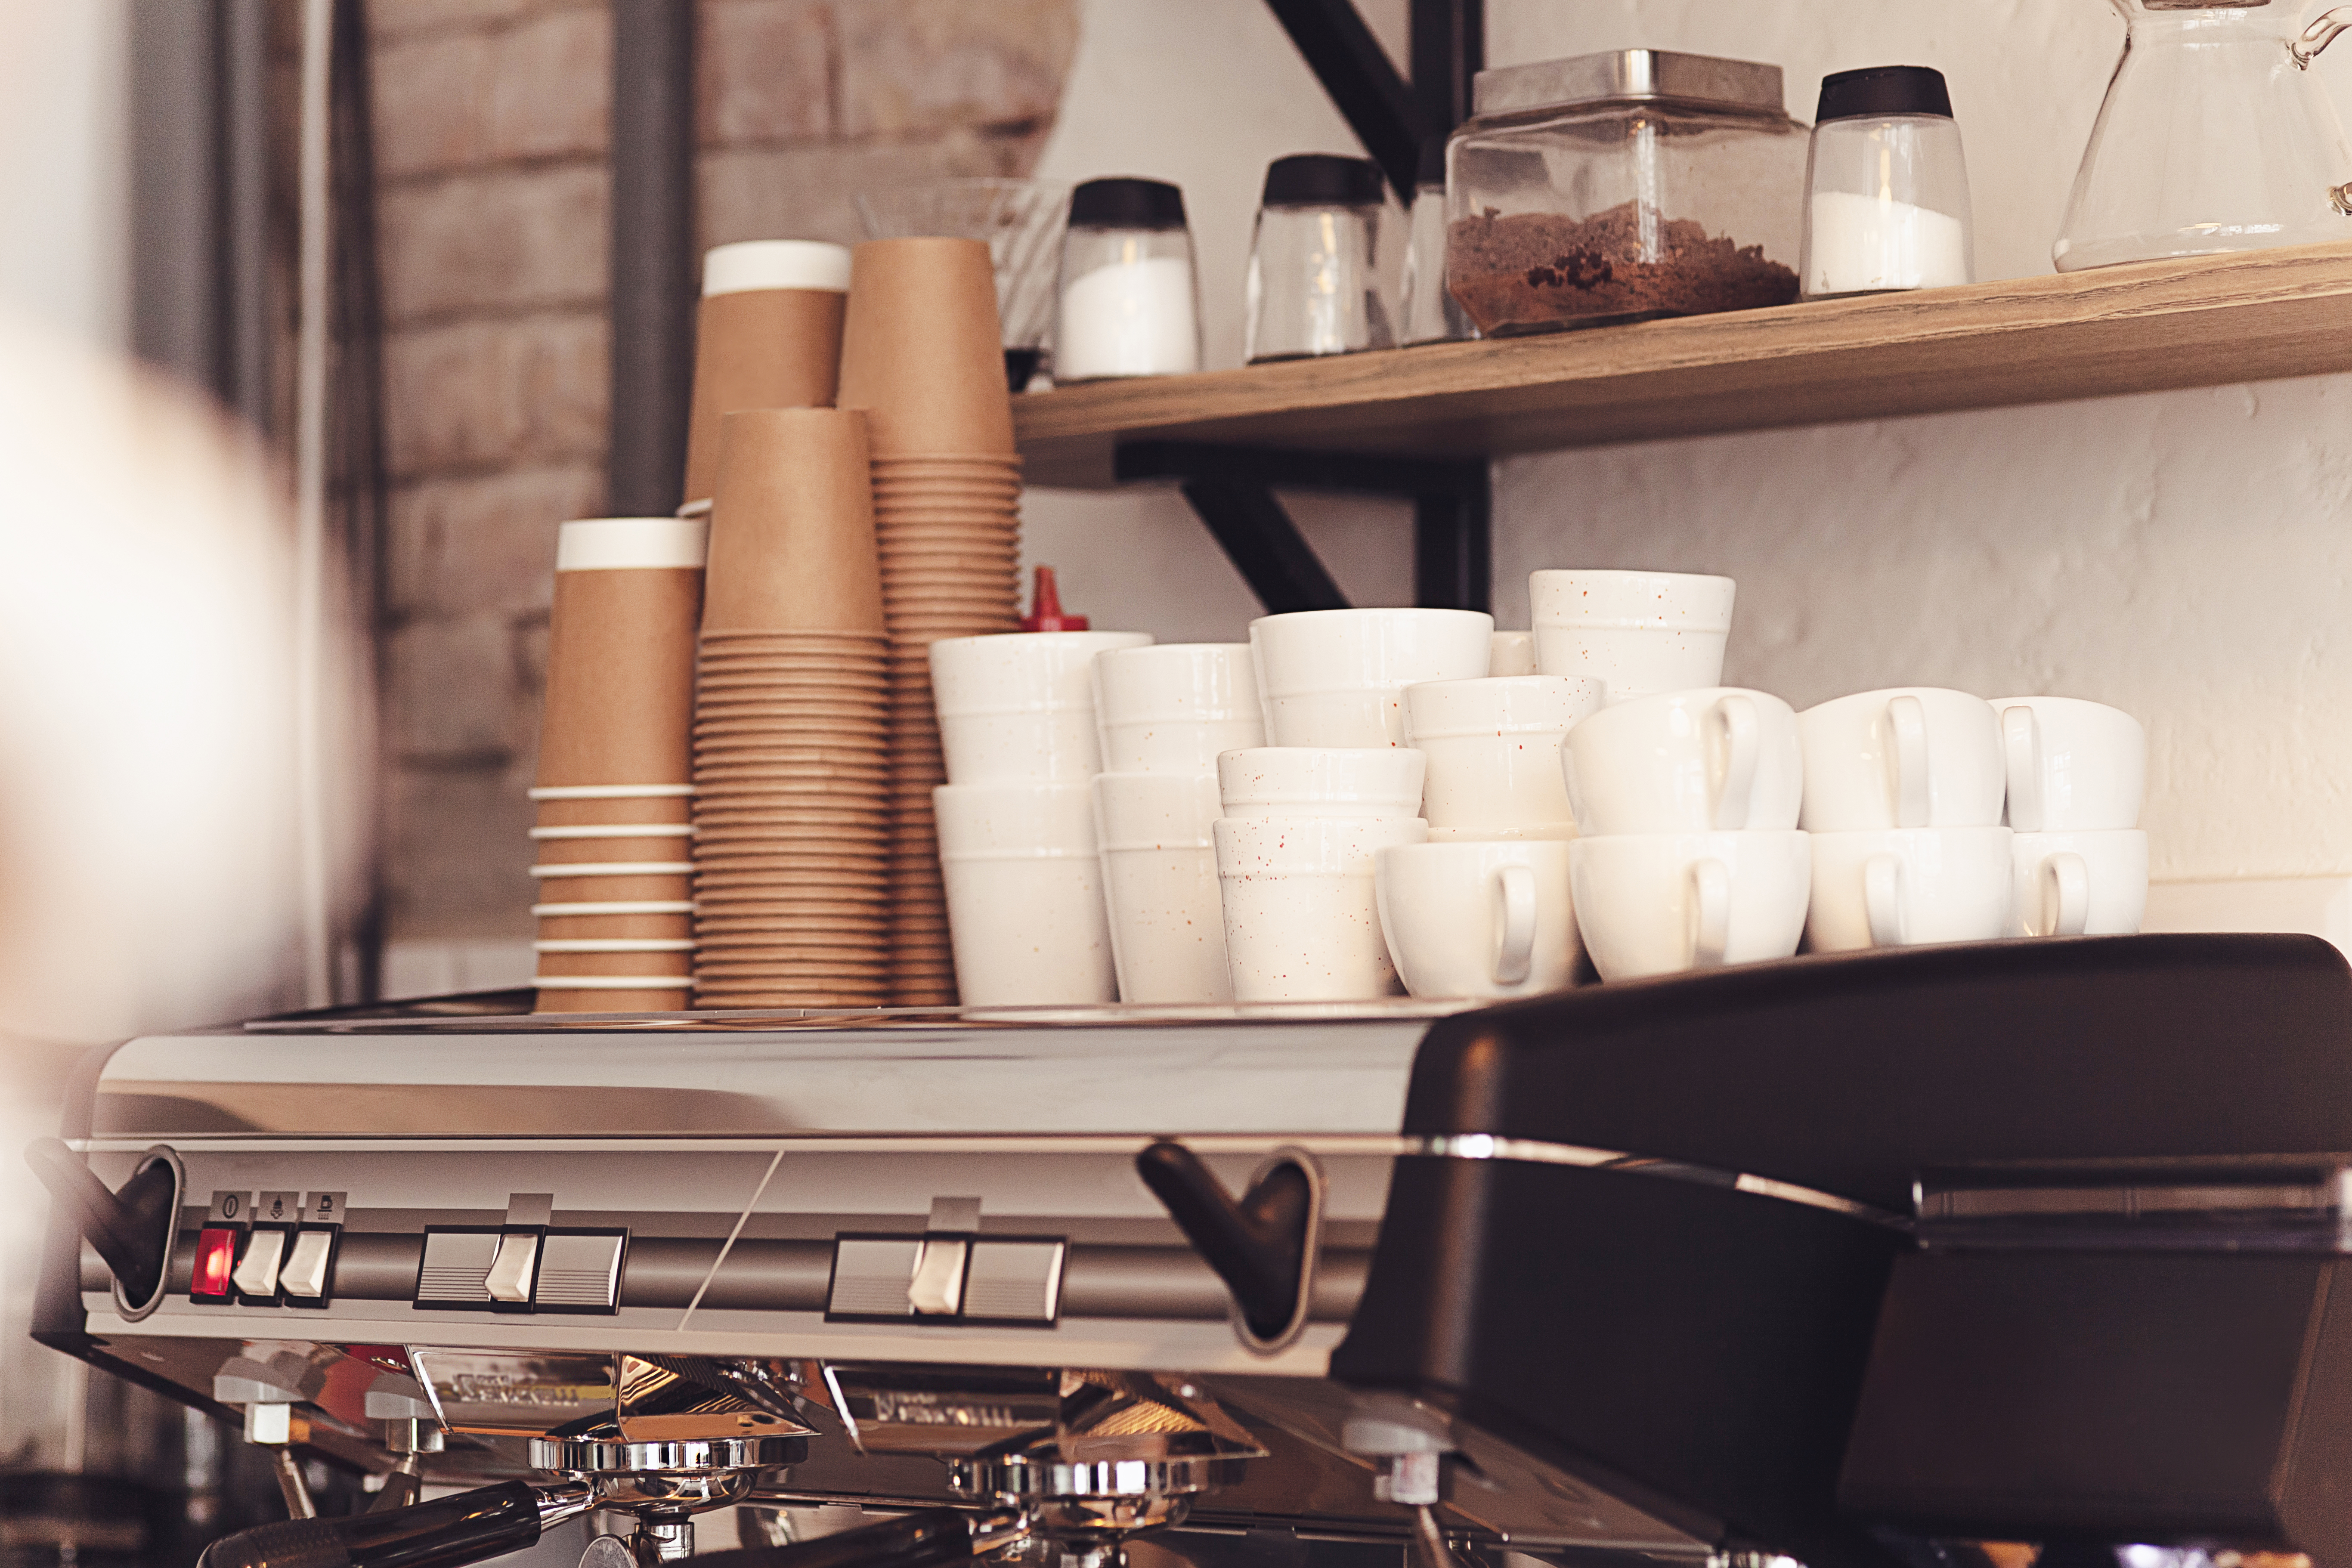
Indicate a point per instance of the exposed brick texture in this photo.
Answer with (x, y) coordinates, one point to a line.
(492, 123)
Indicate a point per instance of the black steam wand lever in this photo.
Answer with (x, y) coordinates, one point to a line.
(448, 1533)
(1258, 1246)
(132, 1229)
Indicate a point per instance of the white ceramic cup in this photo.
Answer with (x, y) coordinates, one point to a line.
(1172, 707)
(1479, 919)
(1160, 882)
(1908, 886)
(1021, 672)
(2078, 884)
(1911, 756)
(1302, 918)
(1512, 653)
(1321, 780)
(1635, 632)
(2073, 765)
(1019, 708)
(1659, 903)
(1336, 677)
(1023, 879)
(1493, 747)
(1720, 759)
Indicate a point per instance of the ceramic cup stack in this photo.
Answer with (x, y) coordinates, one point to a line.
(614, 789)
(790, 762)
(1688, 854)
(1903, 791)
(767, 335)
(2076, 773)
(1336, 677)
(1297, 850)
(1166, 713)
(921, 354)
(1482, 908)
(1017, 848)
(1637, 633)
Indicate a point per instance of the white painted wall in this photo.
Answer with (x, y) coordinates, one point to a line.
(64, 188)
(2185, 555)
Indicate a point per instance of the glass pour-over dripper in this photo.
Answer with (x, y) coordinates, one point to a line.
(2214, 136)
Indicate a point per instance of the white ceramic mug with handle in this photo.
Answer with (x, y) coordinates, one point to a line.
(1911, 757)
(1718, 759)
(1659, 903)
(2078, 884)
(1909, 887)
(2073, 765)
(1479, 919)
(1635, 632)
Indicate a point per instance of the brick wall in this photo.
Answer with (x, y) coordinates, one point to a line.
(491, 119)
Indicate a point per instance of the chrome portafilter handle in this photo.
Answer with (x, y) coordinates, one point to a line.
(448, 1533)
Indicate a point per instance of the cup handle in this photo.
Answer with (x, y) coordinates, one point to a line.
(2065, 894)
(1882, 900)
(1908, 718)
(1514, 923)
(1710, 894)
(1741, 742)
(2020, 740)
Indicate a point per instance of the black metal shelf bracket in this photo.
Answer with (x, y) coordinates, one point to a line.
(1232, 487)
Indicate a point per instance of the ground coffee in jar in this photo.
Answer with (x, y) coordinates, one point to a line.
(1616, 186)
(1531, 271)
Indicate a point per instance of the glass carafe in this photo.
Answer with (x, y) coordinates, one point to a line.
(2214, 136)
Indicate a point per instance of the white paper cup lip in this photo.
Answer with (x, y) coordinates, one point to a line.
(613, 906)
(617, 830)
(617, 869)
(614, 944)
(755, 264)
(633, 544)
(612, 792)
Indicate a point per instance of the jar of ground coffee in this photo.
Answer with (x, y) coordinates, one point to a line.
(1619, 186)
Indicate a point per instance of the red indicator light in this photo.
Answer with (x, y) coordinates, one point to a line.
(215, 1261)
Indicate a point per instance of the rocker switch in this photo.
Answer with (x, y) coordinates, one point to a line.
(509, 1278)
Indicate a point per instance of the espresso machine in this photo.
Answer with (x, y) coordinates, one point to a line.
(1854, 1259)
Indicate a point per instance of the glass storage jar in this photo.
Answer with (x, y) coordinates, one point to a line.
(1130, 304)
(1618, 186)
(1314, 270)
(1887, 202)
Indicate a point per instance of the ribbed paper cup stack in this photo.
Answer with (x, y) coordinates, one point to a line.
(614, 930)
(767, 335)
(922, 354)
(790, 762)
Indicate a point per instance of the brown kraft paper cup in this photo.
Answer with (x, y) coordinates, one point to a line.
(920, 349)
(761, 348)
(792, 529)
(620, 676)
(667, 1000)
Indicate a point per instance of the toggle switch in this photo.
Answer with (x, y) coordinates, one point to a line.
(215, 1261)
(304, 1276)
(513, 1267)
(255, 1276)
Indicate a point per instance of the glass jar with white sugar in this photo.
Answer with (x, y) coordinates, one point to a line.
(1887, 190)
(1130, 304)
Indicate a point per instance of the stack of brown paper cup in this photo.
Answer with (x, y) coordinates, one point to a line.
(768, 336)
(613, 839)
(921, 354)
(791, 764)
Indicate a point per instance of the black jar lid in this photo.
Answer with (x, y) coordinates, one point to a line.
(1883, 90)
(1128, 203)
(1322, 180)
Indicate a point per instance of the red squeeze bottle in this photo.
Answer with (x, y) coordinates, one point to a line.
(1046, 608)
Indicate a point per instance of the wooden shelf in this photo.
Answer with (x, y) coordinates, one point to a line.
(2146, 327)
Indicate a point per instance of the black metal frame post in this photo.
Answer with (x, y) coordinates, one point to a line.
(1233, 488)
(653, 282)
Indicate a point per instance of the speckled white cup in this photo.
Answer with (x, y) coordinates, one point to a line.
(1301, 911)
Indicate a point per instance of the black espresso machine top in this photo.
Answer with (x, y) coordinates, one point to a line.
(1835, 1258)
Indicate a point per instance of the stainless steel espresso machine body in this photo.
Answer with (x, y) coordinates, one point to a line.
(1612, 1275)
